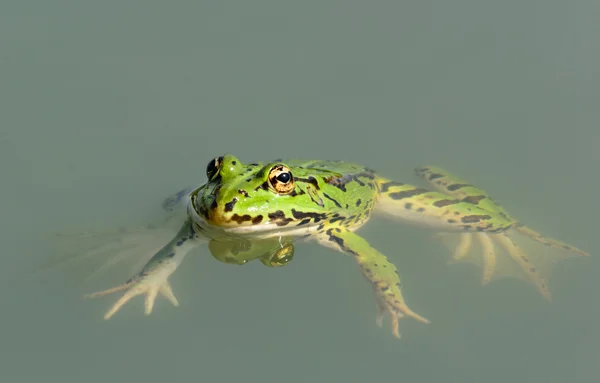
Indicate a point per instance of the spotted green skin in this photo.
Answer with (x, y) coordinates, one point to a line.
(241, 213)
(462, 191)
(240, 202)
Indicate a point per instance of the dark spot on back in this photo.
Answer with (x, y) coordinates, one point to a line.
(407, 193)
(332, 200)
(474, 218)
(341, 182)
(455, 187)
(445, 202)
(474, 199)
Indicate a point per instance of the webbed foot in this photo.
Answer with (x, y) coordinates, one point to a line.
(378, 270)
(517, 241)
(509, 254)
(153, 279)
(150, 285)
(397, 309)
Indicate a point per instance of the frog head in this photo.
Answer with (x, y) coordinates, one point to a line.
(251, 198)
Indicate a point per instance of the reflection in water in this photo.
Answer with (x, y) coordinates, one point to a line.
(272, 252)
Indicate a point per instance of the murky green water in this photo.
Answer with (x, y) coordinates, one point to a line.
(107, 107)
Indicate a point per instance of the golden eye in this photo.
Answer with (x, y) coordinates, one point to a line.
(212, 169)
(281, 179)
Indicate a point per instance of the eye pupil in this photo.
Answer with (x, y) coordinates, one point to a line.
(284, 177)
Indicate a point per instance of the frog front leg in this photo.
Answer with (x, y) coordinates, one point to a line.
(153, 278)
(377, 269)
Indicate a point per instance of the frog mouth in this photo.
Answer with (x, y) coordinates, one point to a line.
(276, 224)
(263, 230)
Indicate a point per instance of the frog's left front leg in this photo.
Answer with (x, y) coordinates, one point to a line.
(377, 269)
(153, 278)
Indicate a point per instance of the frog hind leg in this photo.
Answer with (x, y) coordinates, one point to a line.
(153, 278)
(435, 209)
(448, 183)
(529, 232)
(378, 270)
(521, 259)
(511, 255)
(453, 186)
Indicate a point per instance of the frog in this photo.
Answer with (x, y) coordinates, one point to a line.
(260, 210)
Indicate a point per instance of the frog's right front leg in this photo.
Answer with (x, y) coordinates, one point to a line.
(378, 270)
(153, 278)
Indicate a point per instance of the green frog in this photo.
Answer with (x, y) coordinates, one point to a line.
(260, 210)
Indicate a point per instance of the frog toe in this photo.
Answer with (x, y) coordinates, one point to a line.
(165, 291)
(462, 249)
(397, 310)
(395, 321)
(149, 287)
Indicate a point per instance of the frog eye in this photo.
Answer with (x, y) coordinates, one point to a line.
(280, 179)
(212, 169)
